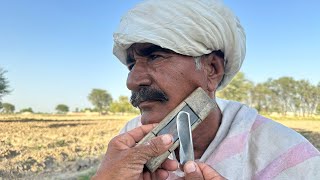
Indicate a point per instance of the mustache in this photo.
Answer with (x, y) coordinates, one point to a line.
(147, 94)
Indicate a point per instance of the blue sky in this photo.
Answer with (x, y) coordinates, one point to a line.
(57, 51)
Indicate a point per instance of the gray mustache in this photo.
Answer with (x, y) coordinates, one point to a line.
(147, 94)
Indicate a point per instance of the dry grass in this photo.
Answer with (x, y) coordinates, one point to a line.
(46, 145)
(31, 145)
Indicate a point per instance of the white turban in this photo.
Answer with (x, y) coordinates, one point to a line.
(188, 27)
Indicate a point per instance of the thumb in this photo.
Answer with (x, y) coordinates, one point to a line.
(155, 146)
(200, 171)
(192, 171)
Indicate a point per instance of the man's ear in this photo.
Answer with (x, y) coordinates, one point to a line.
(214, 67)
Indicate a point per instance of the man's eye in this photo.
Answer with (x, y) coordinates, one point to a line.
(153, 57)
(130, 66)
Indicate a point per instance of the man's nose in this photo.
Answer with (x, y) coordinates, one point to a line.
(138, 76)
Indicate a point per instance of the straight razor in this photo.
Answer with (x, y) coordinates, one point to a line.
(186, 152)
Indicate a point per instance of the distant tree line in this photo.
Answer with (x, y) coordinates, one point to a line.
(283, 95)
(100, 99)
(103, 102)
(8, 108)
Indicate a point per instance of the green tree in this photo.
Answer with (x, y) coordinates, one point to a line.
(29, 109)
(261, 97)
(318, 109)
(285, 90)
(122, 105)
(308, 97)
(238, 89)
(62, 108)
(4, 86)
(100, 99)
(284, 95)
(86, 110)
(8, 108)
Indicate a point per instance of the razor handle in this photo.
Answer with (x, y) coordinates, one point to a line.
(198, 104)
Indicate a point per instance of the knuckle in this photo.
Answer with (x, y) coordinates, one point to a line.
(154, 147)
(134, 156)
(113, 141)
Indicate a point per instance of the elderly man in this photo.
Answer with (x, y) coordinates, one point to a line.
(171, 47)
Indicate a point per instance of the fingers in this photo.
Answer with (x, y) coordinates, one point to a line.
(130, 138)
(155, 146)
(137, 156)
(200, 171)
(124, 154)
(160, 174)
(208, 172)
(170, 165)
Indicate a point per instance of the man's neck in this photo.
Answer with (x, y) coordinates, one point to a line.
(204, 134)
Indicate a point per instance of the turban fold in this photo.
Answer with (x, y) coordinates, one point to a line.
(188, 27)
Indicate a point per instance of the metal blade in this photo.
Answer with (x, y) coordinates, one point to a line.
(184, 133)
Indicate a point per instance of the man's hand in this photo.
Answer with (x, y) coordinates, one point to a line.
(199, 171)
(125, 160)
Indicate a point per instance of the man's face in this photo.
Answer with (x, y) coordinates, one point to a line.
(160, 79)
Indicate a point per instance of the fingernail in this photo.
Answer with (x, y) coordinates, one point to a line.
(166, 139)
(190, 167)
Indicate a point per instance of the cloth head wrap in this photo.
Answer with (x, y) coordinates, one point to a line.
(188, 27)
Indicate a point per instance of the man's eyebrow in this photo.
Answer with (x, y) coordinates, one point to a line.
(145, 52)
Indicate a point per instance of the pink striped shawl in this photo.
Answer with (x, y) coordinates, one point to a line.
(250, 146)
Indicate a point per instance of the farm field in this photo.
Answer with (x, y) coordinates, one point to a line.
(43, 146)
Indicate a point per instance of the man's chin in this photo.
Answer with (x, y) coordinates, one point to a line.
(151, 117)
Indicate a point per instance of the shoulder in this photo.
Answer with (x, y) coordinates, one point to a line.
(266, 129)
(277, 150)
